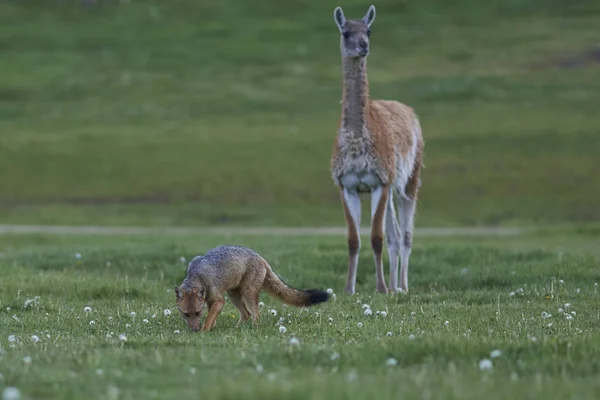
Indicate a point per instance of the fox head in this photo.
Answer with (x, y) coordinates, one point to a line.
(190, 304)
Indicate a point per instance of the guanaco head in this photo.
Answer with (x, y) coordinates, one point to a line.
(355, 34)
(190, 304)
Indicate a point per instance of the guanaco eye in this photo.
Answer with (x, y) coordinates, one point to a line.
(368, 32)
(346, 34)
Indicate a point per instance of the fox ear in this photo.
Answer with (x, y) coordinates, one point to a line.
(178, 293)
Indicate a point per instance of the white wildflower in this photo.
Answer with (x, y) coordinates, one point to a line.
(578, 290)
(167, 312)
(87, 309)
(192, 371)
(411, 337)
(368, 311)
(99, 371)
(377, 312)
(11, 393)
(352, 376)
(485, 365)
(282, 329)
(573, 313)
(182, 259)
(366, 306)
(549, 325)
(273, 312)
(132, 313)
(330, 320)
(384, 314)
(447, 323)
(78, 256)
(520, 291)
(495, 353)
(335, 356)
(259, 368)
(391, 362)
(389, 334)
(12, 339)
(127, 325)
(35, 338)
(560, 311)
(145, 321)
(567, 306)
(92, 322)
(561, 281)
(153, 315)
(546, 315)
(330, 291)
(511, 294)
(261, 304)
(177, 331)
(123, 337)
(568, 317)
(359, 324)
(412, 314)
(294, 341)
(27, 360)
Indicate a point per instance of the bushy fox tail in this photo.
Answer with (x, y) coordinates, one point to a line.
(276, 287)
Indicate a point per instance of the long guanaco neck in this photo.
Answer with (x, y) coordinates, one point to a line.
(356, 94)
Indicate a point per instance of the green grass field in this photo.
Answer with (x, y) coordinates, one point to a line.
(198, 113)
(341, 353)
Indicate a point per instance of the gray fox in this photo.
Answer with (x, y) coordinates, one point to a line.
(242, 273)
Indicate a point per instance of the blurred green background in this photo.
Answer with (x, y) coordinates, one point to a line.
(224, 112)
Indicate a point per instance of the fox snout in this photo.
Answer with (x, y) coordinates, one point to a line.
(194, 324)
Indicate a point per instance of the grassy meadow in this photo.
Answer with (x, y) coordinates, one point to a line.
(224, 113)
(533, 298)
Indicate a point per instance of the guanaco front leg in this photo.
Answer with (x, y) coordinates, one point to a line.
(379, 203)
(351, 203)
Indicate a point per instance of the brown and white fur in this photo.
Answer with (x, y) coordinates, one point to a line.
(378, 150)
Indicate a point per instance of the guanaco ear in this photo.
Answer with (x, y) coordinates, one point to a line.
(370, 16)
(338, 16)
(178, 293)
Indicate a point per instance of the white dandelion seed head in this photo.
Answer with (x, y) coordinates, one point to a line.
(145, 321)
(108, 264)
(377, 312)
(352, 376)
(7, 308)
(578, 290)
(167, 312)
(182, 259)
(495, 353)
(132, 313)
(177, 331)
(511, 294)
(12, 339)
(366, 306)
(549, 325)
(15, 317)
(389, 334)
(447, 323)
(27, 360)
(153, 315)
(123, 337)
(391, 362)
(273, 312)
(567, 306)
(560, 311)
(568, 317)
(261, 304)
(78, 256)
(330, 320)
(596, 284)
(411, 337)
(335, 356)
(294, 341)
(127, 325)
(412, 314)
(368, 312)
(11, 393)
(110, 318)
(485, 365)
(108, 335)
(573, 313)
(561, 281)
(192, 371)
(330, 291)
(533, 339)
(359, 324)
(35, 338)
(260, 369)
(333, 296)
(384, 314)
(92, 322)
(99, 371)
(545, 315)
(87, 309)
(520, 291)
(282, 329)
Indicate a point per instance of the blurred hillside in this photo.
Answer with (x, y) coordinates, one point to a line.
(197, 112)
